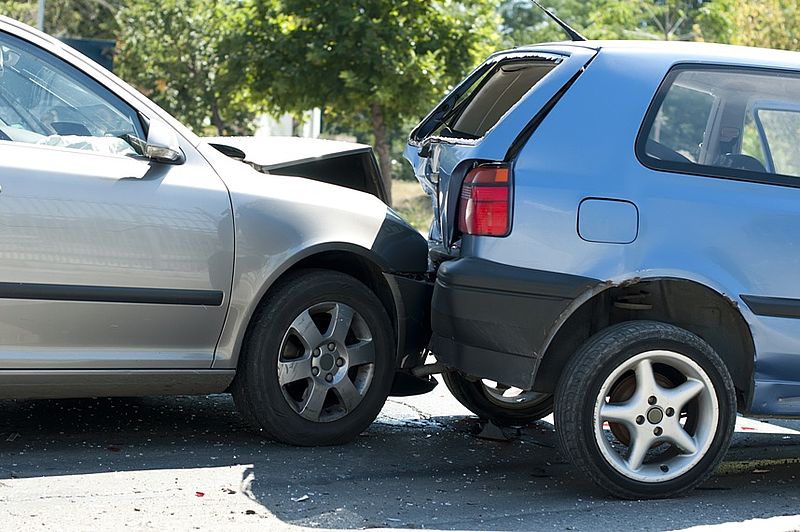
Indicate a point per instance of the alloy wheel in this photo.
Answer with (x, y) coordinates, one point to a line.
(664, 425)
(509, 396)
(326, 362)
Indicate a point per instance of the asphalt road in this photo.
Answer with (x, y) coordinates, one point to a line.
(189, 463)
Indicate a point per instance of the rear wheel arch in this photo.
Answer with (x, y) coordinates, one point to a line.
(687, 304)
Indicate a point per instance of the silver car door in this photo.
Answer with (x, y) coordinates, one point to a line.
(107, 260)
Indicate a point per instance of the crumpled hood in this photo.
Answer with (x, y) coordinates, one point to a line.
(271, 153)
(346, 164)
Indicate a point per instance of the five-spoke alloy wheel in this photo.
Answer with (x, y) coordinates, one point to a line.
(317, 363)
(501, 404)
(646, 409)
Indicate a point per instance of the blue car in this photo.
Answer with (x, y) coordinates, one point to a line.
(617, 238)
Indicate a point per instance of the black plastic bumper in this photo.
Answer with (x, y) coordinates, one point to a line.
(403, 255)
(412, 299)
(491, 320)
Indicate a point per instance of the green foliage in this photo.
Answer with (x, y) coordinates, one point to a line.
(644, 19)
(764, 23)
(346, 55)
(89, 19)
(601, 19)
(177, 52)
(523, 23)
(367, 64)
(714, 22)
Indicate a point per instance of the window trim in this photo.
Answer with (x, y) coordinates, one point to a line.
(696, 169)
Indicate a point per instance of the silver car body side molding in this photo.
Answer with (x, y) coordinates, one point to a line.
(65, 384)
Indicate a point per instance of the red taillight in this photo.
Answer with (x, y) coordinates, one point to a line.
(485, 205)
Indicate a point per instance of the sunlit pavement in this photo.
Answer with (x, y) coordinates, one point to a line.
(189, 463)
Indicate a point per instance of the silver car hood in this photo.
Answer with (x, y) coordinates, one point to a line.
(345, 164)
(271, 153)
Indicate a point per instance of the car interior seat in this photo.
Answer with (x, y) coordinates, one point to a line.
(740, 161)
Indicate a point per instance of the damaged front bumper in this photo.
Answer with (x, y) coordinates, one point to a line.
(412, 295)
(403, 254)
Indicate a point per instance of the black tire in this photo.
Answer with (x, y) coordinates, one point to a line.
(597, 363)
(270, 405)
(474, 396)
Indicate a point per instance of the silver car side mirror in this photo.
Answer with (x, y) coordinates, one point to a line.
(162, 143)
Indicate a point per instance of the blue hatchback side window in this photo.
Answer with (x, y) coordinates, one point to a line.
(682, 122)
(781, 132)
(736, 123)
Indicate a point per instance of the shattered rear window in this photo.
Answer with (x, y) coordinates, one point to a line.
(497, 94)
(492, 96)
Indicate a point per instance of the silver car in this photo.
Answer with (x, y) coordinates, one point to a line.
(136, 258)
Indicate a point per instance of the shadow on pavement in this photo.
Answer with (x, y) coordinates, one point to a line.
(431, 475)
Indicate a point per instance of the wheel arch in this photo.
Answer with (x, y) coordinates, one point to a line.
(363, 264)
(688, 304)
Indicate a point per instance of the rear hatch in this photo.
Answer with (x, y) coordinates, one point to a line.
(486, 119)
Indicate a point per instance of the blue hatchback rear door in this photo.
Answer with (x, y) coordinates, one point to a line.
(483, 119)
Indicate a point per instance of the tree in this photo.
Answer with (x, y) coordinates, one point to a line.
(367, 64)
(764, 23)
(524, 23)
(178, 53)
(667, 20)
(90, 19)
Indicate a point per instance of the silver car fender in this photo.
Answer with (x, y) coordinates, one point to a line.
(278, 221)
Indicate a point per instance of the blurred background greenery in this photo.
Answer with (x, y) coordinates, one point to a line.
(374, 67)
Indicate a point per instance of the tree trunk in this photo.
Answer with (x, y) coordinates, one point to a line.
(382, 149)
(216, 119)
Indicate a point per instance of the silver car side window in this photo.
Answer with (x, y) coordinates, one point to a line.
(47, 102)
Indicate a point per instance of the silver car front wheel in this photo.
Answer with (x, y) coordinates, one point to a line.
(326, 362)
(318, 359)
